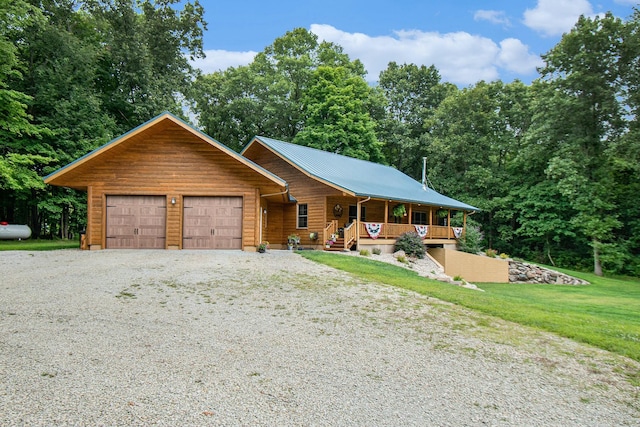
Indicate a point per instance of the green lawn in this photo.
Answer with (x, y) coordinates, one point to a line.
(605, 314)
(37, 245)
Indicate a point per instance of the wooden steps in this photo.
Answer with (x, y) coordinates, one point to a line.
(338, 246)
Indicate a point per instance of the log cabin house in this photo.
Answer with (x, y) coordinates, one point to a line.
(166, 185)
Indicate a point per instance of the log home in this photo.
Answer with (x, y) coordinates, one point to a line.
(166, 185)
(342, 202)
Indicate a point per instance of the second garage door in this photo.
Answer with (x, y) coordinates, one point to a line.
(212, 223)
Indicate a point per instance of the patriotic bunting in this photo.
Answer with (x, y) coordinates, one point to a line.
(422, 230)
(373, 229)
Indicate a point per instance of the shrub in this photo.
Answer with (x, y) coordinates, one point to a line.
(365, 252)
(504, 256)
(376, 251)
(471, 240)
(458, 278)
(411, 243)
(402, 259)
(491, 253)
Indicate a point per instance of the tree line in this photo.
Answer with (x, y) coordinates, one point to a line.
(554, 165)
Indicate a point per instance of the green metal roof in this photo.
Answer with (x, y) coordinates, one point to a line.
(360, 177)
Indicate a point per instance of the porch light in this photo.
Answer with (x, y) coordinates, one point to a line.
(173, 200)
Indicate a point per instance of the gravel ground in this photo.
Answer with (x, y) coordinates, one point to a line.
(232, 338)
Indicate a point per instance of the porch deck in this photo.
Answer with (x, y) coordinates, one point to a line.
(348, 236)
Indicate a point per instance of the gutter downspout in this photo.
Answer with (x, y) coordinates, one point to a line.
(358, 221)
(286, 191)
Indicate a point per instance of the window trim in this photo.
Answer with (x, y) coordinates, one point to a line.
(300, 216)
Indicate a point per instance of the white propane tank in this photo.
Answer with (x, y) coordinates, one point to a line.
(14, 231)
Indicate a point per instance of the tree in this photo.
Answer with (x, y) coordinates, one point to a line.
(413, 94)
(475, 134)
(19, 166)
(336, 115)
(144, 66)
(265, 97)
(583, 118)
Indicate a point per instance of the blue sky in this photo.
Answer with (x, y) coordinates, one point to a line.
(466, 40)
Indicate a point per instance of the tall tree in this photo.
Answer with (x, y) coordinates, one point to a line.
(19, 165)
(337, 115)
(413, 94)
(583, 118)
(144, 67)
(265, 97)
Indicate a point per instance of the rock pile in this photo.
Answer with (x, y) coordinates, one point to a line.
(522, 272)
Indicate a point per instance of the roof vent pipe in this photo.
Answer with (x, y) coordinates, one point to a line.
(424, 173)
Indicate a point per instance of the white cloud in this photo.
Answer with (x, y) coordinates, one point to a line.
(493, 16)
(217, 60)
(460, 57)
(515, 56)
(627, 2)
(554, 17)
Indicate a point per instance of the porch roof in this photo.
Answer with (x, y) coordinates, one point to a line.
(359, 177)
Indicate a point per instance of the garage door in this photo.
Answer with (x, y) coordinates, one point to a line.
(136, 222)
(212, 223)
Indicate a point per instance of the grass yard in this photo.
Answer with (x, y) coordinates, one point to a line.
(605, 314)
(38, 245)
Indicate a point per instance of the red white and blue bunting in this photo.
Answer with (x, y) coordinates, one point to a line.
(422, 230)
(457, 231)
(373, 229)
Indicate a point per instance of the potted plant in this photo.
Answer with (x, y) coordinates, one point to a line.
(263, 246)
(293, 240)
(399, 210)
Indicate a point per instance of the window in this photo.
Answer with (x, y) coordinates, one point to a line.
(353, 213)
(302, 215)
(419, 218)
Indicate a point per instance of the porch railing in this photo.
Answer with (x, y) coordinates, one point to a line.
(331, 228)
(350, 234)
(392, 231)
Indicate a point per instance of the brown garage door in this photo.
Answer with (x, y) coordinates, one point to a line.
(136, 222)
(212, 223)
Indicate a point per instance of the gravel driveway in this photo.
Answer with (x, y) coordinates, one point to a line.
(234, 338)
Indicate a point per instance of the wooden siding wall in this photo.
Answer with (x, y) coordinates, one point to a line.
(169, 161)
(304, 189)
(374, 209)
(274, 224)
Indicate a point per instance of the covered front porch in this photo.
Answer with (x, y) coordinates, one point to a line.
(379, 223)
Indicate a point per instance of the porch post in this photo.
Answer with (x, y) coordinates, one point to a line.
(464, 221)
(430, 221)
(409, 220)
(449, 223)
(358, 223)
(386, 219)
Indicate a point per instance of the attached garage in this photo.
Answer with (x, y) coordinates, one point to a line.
(136, 222)
(166, 185)
(212, 223)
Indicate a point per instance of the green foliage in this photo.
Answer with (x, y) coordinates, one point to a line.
(365, 252)
(491, 253)
(471, 240)
(265, 97)
(399, 210)
(336, 116)
(376, 251)
(411, 243)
